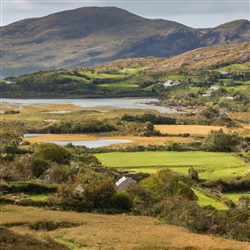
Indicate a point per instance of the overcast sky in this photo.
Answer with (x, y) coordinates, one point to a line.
(195, 13)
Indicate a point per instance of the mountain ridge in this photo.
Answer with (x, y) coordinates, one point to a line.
(93, 35)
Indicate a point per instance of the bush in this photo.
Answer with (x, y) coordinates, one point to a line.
(52, 152)
(98, 194)
(218, 141)
(39, 167)
(121, 203)
(51, 225)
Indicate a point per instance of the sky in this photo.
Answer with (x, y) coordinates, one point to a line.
(193, 13)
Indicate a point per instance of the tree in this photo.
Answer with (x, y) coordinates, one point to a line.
(193, 173)
(52, 152)
(39, 167)
(218, 141)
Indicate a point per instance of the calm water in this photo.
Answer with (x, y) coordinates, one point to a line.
(131, 103)
(90, 144)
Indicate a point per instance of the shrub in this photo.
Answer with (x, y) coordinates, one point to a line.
(99, 194)
(51, 225)
(218, 141)
(53, 152)
(39, 167)
(121, 203)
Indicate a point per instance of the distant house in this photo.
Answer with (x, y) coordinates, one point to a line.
(228, 98)
(10, 82)
(170, 83)
(224, 73)
(124, 181)
(214, 87)
(207, 94)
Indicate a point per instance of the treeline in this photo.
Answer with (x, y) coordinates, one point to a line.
(147, 117)
(236, 185)
(90, 126)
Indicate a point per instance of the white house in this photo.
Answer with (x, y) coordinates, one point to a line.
(124, 181)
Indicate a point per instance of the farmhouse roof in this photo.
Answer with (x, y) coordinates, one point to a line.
(124, 181)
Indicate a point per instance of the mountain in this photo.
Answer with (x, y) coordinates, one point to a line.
(93, 35)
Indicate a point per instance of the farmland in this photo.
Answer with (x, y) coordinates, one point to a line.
(198, 129)
(190, 164)
(210, 165)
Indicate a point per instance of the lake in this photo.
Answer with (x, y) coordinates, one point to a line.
(90, 144)
(125, 103)
(101, 142)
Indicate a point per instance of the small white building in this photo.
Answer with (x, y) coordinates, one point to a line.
(124, 181)
(214, 87)
(170, 83)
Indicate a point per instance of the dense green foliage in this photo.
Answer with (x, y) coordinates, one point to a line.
(52, 153)
(147, 117)
(218, 141)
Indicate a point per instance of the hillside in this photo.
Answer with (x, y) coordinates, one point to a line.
(93, 35)
(96, 231)
(139, 76)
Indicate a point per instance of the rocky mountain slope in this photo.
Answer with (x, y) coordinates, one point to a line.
(93, 35)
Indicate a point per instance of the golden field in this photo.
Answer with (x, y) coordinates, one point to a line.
(115, 231)
(198, 129)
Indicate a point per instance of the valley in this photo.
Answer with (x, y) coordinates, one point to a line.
(117, 133)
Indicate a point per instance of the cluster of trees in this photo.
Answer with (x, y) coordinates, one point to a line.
(147, 117)
(218, 141)
(89, 126)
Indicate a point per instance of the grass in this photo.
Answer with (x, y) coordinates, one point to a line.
(111, 231)
(233, 67)
(119, 87)
(210, 165)
(204, 200)
(235, 196)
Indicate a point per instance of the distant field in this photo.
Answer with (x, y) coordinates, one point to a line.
(111, 231)
(194, 129)
(233, 67)
(210, 165)
(204, 200)
(235, 196)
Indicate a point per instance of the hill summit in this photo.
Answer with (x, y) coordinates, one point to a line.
(92, 35)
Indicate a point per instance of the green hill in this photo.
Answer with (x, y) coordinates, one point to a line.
(139, 77)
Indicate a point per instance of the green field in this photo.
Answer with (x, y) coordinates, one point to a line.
(209, 164)
(235, 196)
(204, 200)
(233, 67)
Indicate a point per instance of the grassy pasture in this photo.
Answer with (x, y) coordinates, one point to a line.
(233, 67)
(235, 196)
(204, 200)
(116, 87)
(111, 231)
(210, 165)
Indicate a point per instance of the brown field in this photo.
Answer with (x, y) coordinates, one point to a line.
(136, 140)
(198, 129)
(116, 231)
